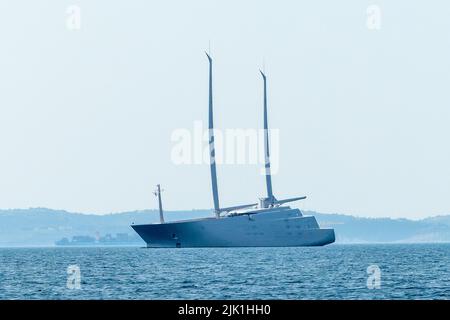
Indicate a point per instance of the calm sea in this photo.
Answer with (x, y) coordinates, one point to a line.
(331, 272)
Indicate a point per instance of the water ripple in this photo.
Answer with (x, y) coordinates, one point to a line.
(331, 272)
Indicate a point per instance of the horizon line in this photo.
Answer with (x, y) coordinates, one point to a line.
(212, 209)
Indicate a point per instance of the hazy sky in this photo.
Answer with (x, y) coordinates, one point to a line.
(86, 116)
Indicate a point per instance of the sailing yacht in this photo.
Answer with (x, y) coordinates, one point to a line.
(270, 222)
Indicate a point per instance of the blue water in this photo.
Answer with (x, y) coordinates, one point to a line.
(331, 272)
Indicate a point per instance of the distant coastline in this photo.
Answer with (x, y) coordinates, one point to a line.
(37, 227)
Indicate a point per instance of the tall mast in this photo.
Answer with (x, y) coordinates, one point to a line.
(212, 152)
(270, 196)
(158, 194)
